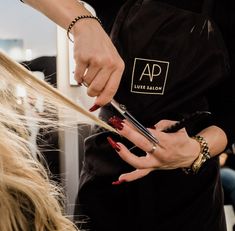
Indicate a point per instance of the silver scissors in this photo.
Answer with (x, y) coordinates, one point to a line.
(121, 108)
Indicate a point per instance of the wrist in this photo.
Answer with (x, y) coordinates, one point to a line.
(80, 20)
(202, 156)
(196, 148)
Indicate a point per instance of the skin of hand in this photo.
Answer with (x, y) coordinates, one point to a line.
(97, 61)
(175, 150)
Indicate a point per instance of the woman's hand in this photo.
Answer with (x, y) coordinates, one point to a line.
(174, 150)
(98, 63)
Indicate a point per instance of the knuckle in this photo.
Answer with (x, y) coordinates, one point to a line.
(77, 74)
(126, 132)
(110, 93)
(117, 64)
(81, 57)
(109, 63)
(163, 121)
(92, 92)
(96, 61)
(121, 65)
(167, 158)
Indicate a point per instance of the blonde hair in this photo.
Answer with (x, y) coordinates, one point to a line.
(29, 200)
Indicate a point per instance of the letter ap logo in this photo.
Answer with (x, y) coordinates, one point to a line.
(149, 76)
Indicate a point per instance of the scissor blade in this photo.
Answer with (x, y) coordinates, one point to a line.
(142, 129)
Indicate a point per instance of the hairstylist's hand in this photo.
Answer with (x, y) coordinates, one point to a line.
(98, 63)
(93, 49)
(173, 151)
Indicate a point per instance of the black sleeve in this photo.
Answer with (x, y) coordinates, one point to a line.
(106, 10)
(45, 64)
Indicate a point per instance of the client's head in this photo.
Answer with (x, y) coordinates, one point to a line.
(29, 200)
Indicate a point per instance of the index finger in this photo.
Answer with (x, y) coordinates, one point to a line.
(110, 88)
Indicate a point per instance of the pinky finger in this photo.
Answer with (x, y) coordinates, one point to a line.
(137, 174)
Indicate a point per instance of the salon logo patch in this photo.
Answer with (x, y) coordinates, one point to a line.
(149, 76)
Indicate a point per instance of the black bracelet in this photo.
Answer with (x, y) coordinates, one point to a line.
(77, 19)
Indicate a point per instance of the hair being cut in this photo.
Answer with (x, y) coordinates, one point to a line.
(29, 200)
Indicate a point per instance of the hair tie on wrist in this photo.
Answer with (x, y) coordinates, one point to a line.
(79, 18)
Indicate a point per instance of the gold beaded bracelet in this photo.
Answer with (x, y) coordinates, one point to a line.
(203, 156)
(79, 18)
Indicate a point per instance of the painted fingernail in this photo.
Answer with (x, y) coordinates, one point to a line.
(116, 122)
(94, 108)
(113, 144)
(118, 182)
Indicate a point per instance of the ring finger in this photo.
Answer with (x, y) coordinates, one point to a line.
(148, 161)
(137, 138)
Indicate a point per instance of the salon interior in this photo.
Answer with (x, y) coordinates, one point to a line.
(33, 40)
(37, 43)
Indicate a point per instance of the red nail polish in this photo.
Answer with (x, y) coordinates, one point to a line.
(94, 108)
(113, 144)
(118, 182)
(116, 122)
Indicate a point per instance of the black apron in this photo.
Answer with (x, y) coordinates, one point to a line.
(172, 63)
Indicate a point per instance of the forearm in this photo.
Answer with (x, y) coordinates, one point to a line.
(216, 139)
(62, 12)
